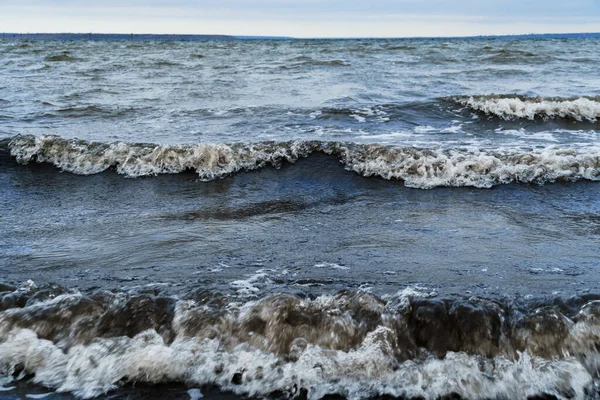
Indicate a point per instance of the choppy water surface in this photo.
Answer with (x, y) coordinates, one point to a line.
(297, 219)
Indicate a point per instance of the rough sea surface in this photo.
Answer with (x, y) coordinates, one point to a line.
(300, 219)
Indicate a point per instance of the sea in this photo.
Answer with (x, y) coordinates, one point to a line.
(300, 219)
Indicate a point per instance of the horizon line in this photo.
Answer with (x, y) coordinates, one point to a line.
(236, 36)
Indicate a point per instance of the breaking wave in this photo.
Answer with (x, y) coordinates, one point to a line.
(354, 344)
(510, 107)
(418, 168)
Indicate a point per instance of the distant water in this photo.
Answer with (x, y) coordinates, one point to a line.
(300, 219)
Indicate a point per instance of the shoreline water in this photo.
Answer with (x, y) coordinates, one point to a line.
(300, 218)
(408, 345)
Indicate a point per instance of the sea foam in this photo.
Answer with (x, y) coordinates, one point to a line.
(417, 167)
(353, 344)
(519, 107)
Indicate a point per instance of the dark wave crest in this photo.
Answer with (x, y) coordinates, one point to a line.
(355, 344)
(65, 56)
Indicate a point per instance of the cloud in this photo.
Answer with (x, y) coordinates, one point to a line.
(303, 18)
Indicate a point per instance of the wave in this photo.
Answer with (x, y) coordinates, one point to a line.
(399, 47)
(82, 111)
(511, 55)
(354, 344)
(164, 63)
(65, 56)
(511, 107)
(418, 168)
(302, 61)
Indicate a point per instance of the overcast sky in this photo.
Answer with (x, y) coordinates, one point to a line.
(303, 18)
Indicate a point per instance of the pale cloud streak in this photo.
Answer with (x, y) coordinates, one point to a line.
(303, 18)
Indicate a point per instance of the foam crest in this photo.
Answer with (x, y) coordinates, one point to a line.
(210, 161)
(418, 168)
(520, 107)
(354, 344)
(482, 168)
(369, 370)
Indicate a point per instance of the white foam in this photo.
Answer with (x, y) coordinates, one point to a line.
(210, 161)
(331, 266)
(419, 168)
(580, 109)
(403, 296)
(252, 284)
(391, 135)
(335, 353)
(522, 133)
(424, 129)
(359, 118)
(38, 396)
(368, 370)
(452, 129)
(482, 168)
(195, 394)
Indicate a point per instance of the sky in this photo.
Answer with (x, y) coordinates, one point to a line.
(303, 18)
